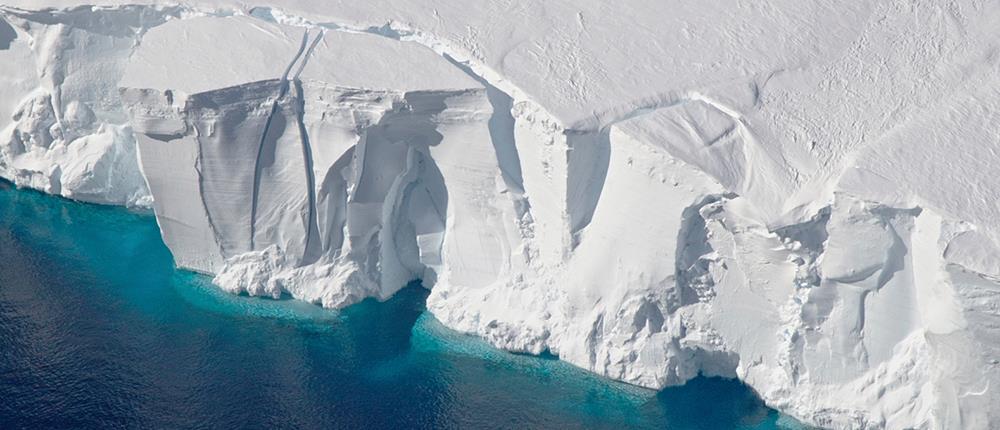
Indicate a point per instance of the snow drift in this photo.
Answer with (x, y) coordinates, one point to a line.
(799, 195)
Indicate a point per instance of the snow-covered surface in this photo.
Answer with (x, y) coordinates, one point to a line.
(800, 194)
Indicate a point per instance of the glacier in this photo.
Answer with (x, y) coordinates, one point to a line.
(797, 194)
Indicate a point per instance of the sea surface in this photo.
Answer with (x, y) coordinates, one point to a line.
(99, 331)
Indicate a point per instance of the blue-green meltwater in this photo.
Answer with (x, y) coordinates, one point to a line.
(98, 330)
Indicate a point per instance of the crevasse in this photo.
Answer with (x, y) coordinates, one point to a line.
(657, 236)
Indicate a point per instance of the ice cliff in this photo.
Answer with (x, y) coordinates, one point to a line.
(798, 194)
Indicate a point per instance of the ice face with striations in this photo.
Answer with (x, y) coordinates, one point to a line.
(796, 194)
(323, 165)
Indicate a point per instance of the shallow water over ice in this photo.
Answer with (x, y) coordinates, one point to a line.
(97, 330)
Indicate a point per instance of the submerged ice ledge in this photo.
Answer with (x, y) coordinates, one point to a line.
(747, 228)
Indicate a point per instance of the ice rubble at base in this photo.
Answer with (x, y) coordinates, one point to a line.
(778, 225)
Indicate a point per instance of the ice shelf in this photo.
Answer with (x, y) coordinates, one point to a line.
(798, 194)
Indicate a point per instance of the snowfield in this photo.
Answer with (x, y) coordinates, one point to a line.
(799, 194)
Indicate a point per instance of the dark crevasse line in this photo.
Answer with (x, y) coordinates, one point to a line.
(256, 175)
(263, 139)
(311, 250)
(308, 54)
(298, 55)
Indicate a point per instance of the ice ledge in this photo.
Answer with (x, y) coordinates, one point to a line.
(688, 231)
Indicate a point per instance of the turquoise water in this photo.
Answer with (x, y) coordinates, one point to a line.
(98, 330)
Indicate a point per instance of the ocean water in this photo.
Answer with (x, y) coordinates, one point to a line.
(99, 331)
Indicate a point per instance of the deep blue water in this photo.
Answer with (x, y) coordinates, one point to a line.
(98, 330)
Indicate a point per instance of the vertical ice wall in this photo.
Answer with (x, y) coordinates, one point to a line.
(691, 231)
(332, 175)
